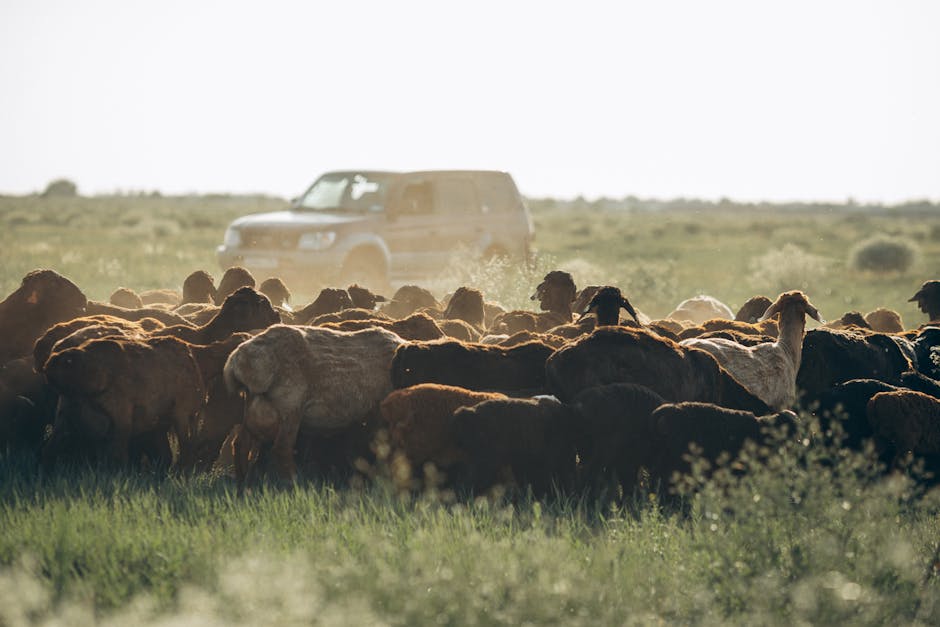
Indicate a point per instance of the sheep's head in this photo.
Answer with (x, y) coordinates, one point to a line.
(466, 304)
(753, 309)
(126, 298)
(556, 292)
(233, 279)
(408, 299)
(49, 292)
(199, 287)
(928, 299)
(606, 305)
(78, 372)
(276, 291)
(364, 298)
(247, 309)
(794, 301)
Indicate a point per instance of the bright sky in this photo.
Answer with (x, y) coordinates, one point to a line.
(803, 99)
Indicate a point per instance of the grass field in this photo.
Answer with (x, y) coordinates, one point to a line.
(808, 538)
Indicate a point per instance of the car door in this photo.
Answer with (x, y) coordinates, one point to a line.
(413, 230)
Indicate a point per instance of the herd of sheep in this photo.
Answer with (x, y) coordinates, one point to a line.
(571, 396)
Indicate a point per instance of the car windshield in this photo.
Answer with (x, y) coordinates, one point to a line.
(346, 192)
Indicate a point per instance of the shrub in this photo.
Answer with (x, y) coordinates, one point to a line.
(61, 188)
(787, 268)
(882, 253)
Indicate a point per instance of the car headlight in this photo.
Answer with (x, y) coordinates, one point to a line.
(233, 237)
(318, 240)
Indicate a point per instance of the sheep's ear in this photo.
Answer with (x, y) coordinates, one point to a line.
(33, 297)
(590, 307)
(772, 311)
(380, 299)
(813, 313)
(630, 310)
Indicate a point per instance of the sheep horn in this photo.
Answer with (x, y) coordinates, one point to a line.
(630, 310)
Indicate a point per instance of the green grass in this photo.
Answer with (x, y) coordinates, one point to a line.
(799, 541)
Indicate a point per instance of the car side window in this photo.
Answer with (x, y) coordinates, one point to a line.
(455, 196)
(416, 199)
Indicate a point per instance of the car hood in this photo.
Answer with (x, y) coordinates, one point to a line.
(297, 219)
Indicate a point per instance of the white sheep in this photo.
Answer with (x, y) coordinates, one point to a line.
(700, 308)
(310, 378)
(768, 370)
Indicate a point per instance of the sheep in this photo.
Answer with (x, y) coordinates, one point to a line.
(555, 295)
(583, 297)
(306, 378)
(490, 311)
(160, 297)
(847, 402)
(26, 406)
(615, 431)
(329, 300)
(883, 320)
(244, 310)
(199, 287)
(416, 327)
(223, 409)
(606, 305)
(767, 327)
(465, 304)
(926, 346)
(744, 339)
(928, 299)
(363, 298)
(197, 314)
(830, 357)
(919, 382)
(277, 292)
(700, 308)
(849, 320)
(672, 328)
(44, 346)
(349, 314)
(43, 299)
(534, 439)
(767, 370)
(232, 279)
(480, 367)
(126, 298)
(131, 388)
(459, 330)
(408, 299)
(623, 355)
(715, 430)
(420, 421)
(753, 309)
(908, 420)
(168, 318)
(522, 337)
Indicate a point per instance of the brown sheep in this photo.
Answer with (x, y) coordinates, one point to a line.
(512, 322)
(348, 314)
(160, 297)
(232, 279)
(849, 320)
(126, 298)
(416, 327)
(753, 309)
(420, 421)
(168, 318)
(363, 298)
(883, 320)
(198, 287)
(490, 311)
(329, 300)
(622, 355)
(517, 369)
(766, 327)
(223, 409)
(44, 345)
(197, 314)
(528, 441)
(244, 310)
(466, 304)
(459, 330)
(306, 379)
(555, 341)
(700, 308)
(131, 388)
(43, 299)
(715, 430)
(908, 420)
(277, 292)
(555, 294)
(409, 299)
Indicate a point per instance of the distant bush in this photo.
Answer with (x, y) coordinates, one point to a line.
(60, 188)
(882, 253)
(787, 268)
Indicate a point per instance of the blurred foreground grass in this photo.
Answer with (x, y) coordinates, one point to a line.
(658, 257)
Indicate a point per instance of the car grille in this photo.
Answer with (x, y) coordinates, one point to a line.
(261, 239)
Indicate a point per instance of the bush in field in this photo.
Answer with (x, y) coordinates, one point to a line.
(787, 268)
(882, 253)
(60, 188)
